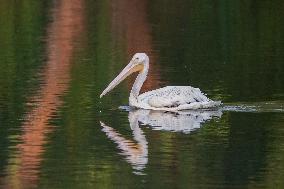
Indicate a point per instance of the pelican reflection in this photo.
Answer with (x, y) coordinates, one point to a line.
(183, 121)
(136, 151)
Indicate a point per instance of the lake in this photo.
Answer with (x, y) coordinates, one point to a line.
(56, 57)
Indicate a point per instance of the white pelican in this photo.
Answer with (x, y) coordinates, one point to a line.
(170, 98)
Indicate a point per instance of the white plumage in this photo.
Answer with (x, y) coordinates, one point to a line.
(175, 98)
(170, 98)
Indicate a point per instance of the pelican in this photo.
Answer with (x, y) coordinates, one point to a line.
(170, 98)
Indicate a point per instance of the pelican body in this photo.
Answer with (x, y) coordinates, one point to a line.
(170, 98)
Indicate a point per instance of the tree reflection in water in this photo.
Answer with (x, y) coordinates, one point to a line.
(67, 26)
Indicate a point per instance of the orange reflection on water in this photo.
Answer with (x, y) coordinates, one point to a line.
(66, 27)
(130, 22)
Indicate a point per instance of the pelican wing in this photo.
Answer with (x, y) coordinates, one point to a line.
(177, 97)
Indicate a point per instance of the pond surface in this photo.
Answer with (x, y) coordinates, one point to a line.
(56, 57)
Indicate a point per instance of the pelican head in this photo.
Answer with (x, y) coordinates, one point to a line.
(138, 63)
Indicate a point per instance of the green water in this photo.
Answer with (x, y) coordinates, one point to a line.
(56, 57)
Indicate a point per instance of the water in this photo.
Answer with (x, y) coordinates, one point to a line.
(56, 57)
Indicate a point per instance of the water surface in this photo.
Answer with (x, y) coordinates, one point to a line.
(56, 57)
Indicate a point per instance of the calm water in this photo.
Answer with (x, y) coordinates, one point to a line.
(56, 57)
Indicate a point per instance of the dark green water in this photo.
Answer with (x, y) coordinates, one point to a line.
(56, 57)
